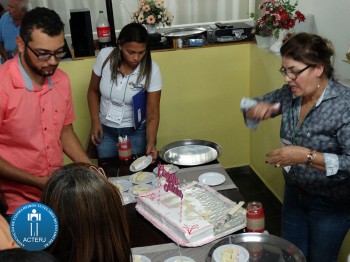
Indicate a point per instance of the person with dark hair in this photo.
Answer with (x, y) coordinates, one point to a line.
(10, 24)
(36, 111)
(315, 152)
(19, 254)
(89, 209)
(3, 205)
(119, 74)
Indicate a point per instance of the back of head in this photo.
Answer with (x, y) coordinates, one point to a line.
(3, 205)
(310, 49)
(22, 255)
(48, 21)
(92, 224)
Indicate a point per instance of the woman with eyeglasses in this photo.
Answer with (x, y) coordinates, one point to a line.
(315, 151)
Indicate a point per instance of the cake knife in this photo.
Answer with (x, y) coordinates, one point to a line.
(230, 213)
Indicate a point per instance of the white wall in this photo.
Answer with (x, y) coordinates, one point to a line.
(332, 20)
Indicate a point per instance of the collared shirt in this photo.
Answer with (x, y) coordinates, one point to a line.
(326, 129)
(8, 32)
(122, 89)
(31, 121)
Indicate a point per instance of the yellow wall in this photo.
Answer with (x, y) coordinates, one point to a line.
(202, 89)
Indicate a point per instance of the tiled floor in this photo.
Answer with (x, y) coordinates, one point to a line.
(252, 188)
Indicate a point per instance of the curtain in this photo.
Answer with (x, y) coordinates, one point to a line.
(185, 11)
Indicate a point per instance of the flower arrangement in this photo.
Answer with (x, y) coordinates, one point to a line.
(152, 12)
(277, 15)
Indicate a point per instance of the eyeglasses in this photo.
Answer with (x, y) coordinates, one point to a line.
(292, 75)
(47, 55)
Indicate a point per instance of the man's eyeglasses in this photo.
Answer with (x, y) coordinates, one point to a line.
(292, 75)
(47, 55)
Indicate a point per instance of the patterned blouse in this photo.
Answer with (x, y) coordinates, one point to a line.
(326, 129)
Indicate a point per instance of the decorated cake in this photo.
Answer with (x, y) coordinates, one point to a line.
(189, 215)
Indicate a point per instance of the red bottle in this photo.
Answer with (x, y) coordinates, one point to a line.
(103, 31)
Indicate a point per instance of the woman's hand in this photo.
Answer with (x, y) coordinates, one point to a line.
(96, 132)
(152, 151)
(262, 111)
(287, 156)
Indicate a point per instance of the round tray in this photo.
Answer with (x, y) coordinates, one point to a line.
(262, 247)
(190, 152)
(184, 32)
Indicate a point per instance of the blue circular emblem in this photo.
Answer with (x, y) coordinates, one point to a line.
(34, 226)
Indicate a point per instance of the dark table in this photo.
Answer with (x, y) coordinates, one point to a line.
(142, 232)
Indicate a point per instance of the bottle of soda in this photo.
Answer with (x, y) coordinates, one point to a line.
(103, 31)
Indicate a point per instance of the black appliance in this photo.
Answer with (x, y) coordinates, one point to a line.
(229, 32)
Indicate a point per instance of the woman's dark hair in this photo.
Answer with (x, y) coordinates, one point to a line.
(3, 204)
(19, 254)
(91, 217)
(40, 18)
(133, 32)
(310, 49)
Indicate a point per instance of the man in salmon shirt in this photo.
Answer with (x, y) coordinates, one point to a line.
(36, 111)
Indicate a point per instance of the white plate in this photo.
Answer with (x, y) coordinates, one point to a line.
(155, 181)
(179, 259)
(127, 198)
(122, 184)
(212, 178)
(137, 178)
(141, 163)
(170, 168)
(243, 253)
(140, 189)
(140, 258)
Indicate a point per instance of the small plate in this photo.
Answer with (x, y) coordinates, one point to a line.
(179, 259)
(170, 168)
(155, 181)
(127, 198)
(140, 163)
(140, 258)
(142, 177)
(136, 190)
(122, 184)
(212, 178)
(243, 253)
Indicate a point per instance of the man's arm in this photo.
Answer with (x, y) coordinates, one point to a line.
(12, 173)
(71, 145)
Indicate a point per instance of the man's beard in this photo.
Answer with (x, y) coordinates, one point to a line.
(35, 69)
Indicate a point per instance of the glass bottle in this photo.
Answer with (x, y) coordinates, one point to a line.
(255, 217)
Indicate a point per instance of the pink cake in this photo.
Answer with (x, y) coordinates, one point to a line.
(189, 222)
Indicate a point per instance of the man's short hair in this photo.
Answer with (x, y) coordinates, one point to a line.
(47, 20)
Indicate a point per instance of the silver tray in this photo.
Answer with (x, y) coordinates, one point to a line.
(184, 32)
(190, 152)
(262, 247)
